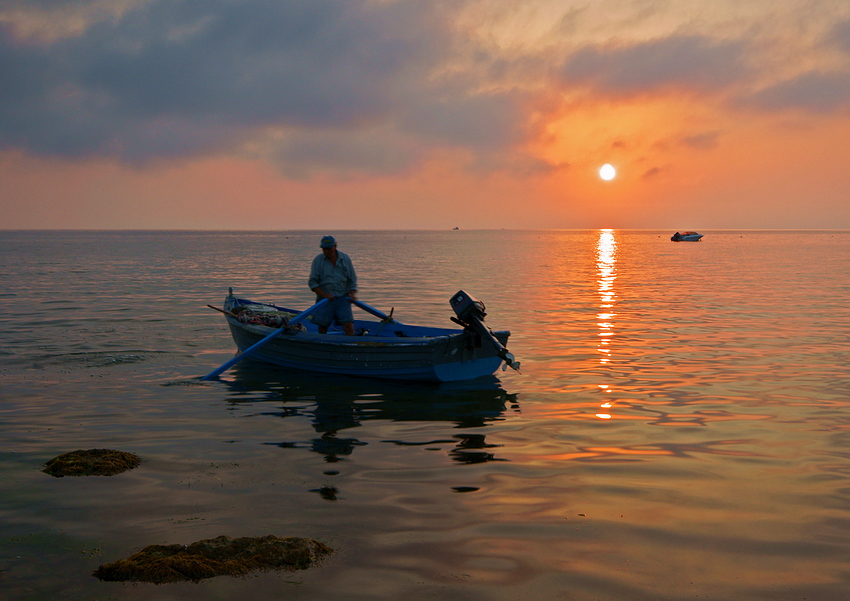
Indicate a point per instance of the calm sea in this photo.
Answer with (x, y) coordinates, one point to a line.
(680, 428)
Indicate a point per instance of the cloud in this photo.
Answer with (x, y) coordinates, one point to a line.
(688, 63)
(703, 141)
(355, 84)
(301, 154)
(48, 20)
(841, 36)
(816, 90)
(813, 91)
(332, 86)
(319, 63)
(194, 76)
(484, 120)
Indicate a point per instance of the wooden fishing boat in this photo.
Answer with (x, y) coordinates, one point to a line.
(382, 348)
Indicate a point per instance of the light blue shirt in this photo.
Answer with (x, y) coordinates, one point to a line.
(338, 279)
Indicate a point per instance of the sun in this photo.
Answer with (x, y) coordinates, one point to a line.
(607, 172)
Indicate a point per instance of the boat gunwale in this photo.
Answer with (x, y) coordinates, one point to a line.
(340, 339)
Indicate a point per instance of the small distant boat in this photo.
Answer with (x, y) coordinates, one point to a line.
(686, 237)
(380, 349)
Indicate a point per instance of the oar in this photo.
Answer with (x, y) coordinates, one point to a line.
(253, 348)
(222, 311)
(372, 310)
(385, 319)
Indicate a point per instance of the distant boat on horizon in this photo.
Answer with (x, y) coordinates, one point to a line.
(686, 237)
(455, 228)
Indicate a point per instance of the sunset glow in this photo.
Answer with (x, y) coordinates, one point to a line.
(425, 115)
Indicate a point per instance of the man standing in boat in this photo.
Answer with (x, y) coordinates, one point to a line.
(332, 276)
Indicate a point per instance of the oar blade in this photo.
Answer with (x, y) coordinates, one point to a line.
(246, 353)
(257, 345)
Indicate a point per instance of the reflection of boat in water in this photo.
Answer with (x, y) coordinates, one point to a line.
(381, 349)
(686, 237)
(334, 404)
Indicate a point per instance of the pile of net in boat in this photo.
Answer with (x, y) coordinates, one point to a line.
(264, 316)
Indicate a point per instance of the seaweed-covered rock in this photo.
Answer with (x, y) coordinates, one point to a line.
(220, 556)
(93, 462)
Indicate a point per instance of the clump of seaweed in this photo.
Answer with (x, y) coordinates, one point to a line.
(220, 556)
(91, 462)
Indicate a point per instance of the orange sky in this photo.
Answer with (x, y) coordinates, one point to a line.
(375, 114)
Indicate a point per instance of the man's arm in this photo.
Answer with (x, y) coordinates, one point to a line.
(352, 280)
(316, 278)
(321, 293)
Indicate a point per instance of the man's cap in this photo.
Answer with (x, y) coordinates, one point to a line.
(327, 242)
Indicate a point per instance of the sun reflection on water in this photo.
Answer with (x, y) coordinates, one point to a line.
(606, 271)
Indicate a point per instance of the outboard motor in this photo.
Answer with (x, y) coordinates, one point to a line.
(470, 315)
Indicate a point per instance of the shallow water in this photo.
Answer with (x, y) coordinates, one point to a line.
(680, 428)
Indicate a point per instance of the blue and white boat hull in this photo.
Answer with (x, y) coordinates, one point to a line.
(387, 350)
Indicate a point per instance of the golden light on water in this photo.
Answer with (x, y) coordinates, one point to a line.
(606, 275)
(606, 268)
